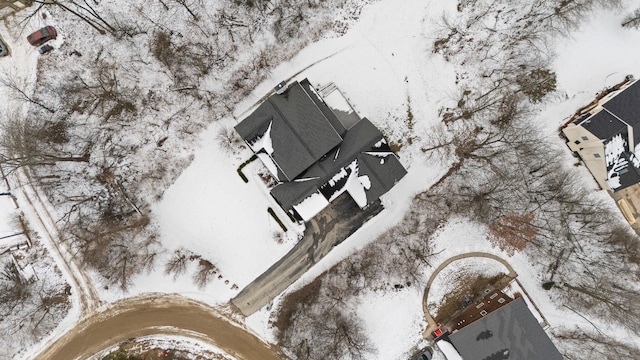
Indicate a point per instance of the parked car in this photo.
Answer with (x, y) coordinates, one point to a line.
(3, 49)
(424, 354)
(45, 49)
(42, 36)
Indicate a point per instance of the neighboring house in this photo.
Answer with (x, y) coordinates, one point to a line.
(317, 152)
(606, 136)
(8, 7)
(508, 332)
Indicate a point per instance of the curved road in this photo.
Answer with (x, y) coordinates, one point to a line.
(431, 324)
(158, 314)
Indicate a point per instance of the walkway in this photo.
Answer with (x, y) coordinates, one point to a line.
(431, 323)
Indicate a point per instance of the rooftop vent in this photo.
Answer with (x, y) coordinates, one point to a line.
(281, 88)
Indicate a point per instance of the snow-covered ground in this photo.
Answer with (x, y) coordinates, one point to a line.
(212, 212)
(385, 67)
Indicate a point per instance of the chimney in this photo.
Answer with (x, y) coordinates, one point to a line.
(281, 88)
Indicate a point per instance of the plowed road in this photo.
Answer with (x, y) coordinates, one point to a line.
(158, 315)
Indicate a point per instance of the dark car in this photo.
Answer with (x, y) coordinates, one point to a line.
(3, 49)
(45, 49)
(42, 36)
(424, 354)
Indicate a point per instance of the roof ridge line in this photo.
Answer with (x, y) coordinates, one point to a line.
(286, 121)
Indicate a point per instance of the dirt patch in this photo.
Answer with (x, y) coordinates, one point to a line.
(154, 315)
(467, 287)
(308, 294)
(148, 350)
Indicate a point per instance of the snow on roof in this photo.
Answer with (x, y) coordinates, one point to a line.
(513, 288)
(339, 175)
(336, 101)
(355, 188)
(613, 149)
(365, 181)
(311, 206)
(448, 350)
(616, 163)
(379, 153)
(355, 185)
(269, 163)
(379, 143)
(264, 142)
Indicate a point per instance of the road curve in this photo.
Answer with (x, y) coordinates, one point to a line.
(158, 314)
(431, 323)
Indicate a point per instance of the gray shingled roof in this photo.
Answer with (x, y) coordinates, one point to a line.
(626, 105)
(359, 141)
(300, 134)
(603, 125)
(511, 328)
(383, 172)
(310, 145)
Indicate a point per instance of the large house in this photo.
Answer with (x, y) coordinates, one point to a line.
(606, 136)
(317, 148)
(497, 328)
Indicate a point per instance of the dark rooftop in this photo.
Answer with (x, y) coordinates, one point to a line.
(490, 302)
(300, 132)
(310, 145)
(511, 332)
(603, 125)
(378, 163)
(626, 104)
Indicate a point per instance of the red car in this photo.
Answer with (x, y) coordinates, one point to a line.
(42, 36)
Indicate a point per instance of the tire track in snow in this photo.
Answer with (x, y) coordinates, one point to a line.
(50, 233)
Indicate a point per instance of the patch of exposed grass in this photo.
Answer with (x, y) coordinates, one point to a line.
(468, 287)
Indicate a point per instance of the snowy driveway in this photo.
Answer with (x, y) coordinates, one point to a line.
(328, 229)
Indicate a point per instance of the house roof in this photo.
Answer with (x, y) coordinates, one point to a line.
(313, 154)
(363, 143)
(611, 126)
(626, 104)
(301, 132)
(603, 125)
(510, 330)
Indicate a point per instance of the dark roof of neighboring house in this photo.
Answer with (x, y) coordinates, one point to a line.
(610, 125)
(378, 163)
(626, 104)
(627, 174)
(301, 133)
(603, 125)
(511, 329)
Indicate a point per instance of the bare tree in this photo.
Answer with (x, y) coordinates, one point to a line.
(177, 264)
(26, 142)
(9, 81)
(204, 274)
(227, 139)
(580, 344)
(632, 20)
